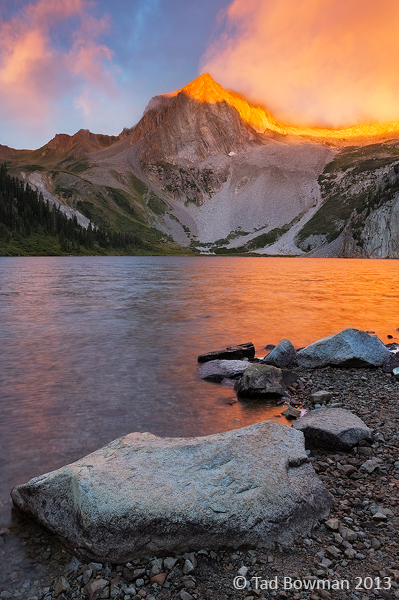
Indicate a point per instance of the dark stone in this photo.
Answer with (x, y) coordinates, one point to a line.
(391, 363)
(230, 353)
(283, 355)
(264, 381)
(217, 370)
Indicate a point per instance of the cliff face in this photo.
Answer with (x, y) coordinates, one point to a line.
(179, 132)
(375, 235)
(360, 190)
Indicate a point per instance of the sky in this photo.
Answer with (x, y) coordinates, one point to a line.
(95, 64)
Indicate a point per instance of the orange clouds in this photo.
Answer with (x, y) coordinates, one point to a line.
(312, 62)
(37, 67)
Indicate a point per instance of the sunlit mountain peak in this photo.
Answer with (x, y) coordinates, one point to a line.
(205, 89)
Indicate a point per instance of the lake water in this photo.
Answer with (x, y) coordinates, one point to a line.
(93, 348)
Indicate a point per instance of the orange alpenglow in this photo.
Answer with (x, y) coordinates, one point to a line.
(205, 89)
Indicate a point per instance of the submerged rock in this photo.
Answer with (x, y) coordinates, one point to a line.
(264, 381)
(333, 428)
(283, 355)
(142, 494)
(348, 348)
(230, 353)
(217, 370)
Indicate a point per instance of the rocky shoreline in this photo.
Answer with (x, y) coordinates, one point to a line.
(355, 547)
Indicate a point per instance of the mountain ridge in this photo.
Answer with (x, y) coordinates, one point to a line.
(209, 170)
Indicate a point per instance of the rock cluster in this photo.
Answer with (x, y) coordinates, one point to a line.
(357, 540)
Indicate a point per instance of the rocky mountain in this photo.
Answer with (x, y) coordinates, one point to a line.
(206, 169)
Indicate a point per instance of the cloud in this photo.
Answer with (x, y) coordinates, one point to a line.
(311, 62)
(50, 55)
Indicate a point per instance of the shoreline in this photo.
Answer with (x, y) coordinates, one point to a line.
(28, 555)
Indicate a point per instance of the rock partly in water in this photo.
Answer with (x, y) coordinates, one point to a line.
(348, 348)
(145, 495)
(217, 370)
(333, 428)
(283, 355)
(264, 381)
(230, 353)
(291, 413)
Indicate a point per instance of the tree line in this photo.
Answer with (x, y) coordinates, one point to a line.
(24, 212)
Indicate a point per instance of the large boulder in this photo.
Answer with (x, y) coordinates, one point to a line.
(283, 355)
(348, 348)
(332, 428)
(217, 370)
(231, 353)
(264, 381)
(145, 495)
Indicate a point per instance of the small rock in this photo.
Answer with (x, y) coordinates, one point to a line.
(169, 563)
(348, 470)
(332, 524)
(320, 397)
(185, 595)
(379, 516)
(243, 571)
(371, 465)
(230, 353)
(326, 563)
(348, 534)
(218, 370)
(155, 570)
(188, 567)
(159, 579)
(291, 413)
(87, 576)
(61, 586)
(191, 557)
(94, 588)
(333, 551)
(264, 381)
(283, 355)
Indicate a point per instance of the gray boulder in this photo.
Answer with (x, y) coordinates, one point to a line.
(264, 381)
(217, 370)
(230, 353)
(332, 428)
(283, 355)
(145, 495)
(348, 348)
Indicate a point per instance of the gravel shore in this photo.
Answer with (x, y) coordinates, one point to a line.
(353, 555)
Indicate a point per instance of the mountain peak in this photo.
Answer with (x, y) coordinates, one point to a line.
(205, 89)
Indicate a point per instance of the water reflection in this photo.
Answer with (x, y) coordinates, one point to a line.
(94, 348)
